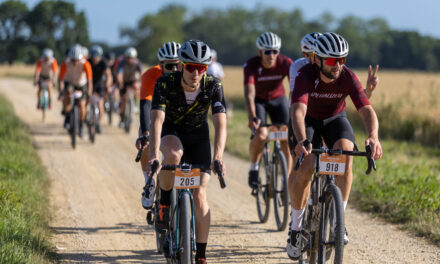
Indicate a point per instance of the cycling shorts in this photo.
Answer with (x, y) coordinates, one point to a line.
(331, 130)
(99, 88)
(277, 109)
(196, 144)
(125, 86)
(70, 87)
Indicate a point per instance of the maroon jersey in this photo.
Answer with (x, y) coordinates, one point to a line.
(268, 82)
(325, 100)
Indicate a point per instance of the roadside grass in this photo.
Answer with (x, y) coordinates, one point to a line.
(405, 189)
(21, 71)
(24, 213)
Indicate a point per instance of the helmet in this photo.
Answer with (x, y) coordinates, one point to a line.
(214, 54)
(131, 52)
(96, 51)
(308, 40)
(168, 51)
(268, 40)
(76, 52)
(195, 51)
(85, 51)
(109, 55)
(48, 53)
(330, 45)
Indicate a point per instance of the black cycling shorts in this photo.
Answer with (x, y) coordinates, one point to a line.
(125, 86)
(331, 130)
(277, 109)
(84, 89)
(99, 88)
(196, 144)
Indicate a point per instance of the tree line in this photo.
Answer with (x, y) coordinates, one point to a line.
(232, 32)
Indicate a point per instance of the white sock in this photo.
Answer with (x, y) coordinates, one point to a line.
(345, 204)
(296, 218)
(254, 166)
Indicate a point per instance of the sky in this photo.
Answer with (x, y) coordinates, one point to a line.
(106, 16)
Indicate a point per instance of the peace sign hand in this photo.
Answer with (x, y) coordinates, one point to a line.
(373, 80)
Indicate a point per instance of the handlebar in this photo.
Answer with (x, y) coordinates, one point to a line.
(217, 170)
(144, 141)
(367, 154)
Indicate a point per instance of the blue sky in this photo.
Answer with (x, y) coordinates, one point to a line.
(106, 16)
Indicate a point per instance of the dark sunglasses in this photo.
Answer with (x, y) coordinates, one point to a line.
(191, 67)
(332, 61)
(170, 66)
(268, 52)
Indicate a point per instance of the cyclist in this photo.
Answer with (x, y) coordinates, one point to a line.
(129, 72)
(264, 92)
(216, 68)
(110, 58)
(46, 70)
(168, 62)
(318, 103)
(179, 126)
(102, 78)
(76, 74)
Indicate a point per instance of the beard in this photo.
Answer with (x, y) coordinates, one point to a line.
(329, 74)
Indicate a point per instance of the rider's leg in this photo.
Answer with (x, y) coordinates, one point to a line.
(50, 91)
(101, 107)
(39, 94)
(172, 150)
(202, 215)
(123, 93)
(82, 110)
(66, 100)
(286, 151)
(344, 181)
(257, 144)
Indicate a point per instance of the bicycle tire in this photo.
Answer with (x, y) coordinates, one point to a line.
(74, 125)
(91, 123)
(110, 108)
(335, 250)
(127, 116)
(263, 190)
(185, 250)
(44, 103)
(280, 192)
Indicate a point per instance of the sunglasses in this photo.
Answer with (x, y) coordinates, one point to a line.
(170, 66)
(191, 67)
(268, 52)
(332, 61)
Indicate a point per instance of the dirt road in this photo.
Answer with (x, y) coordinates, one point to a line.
(97, 215)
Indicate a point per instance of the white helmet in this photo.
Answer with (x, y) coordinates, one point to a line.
(268, 40)
(85, 51)
(308, 40)
(168, 51)
(330, 45)
(195, 51)
(96, 51)
(76, 52)
(48, 53)
(131, 52)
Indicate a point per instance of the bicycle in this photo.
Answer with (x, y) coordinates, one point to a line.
(93, 117)
(74, 116)
(44, 97)
(274, 184)
(129, 109)
(180, 235)
(109, 105)
(323, 222)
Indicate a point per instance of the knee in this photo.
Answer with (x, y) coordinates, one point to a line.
(173, 156)
(261, 135)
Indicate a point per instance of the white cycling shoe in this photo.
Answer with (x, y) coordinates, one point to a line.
(148, 195)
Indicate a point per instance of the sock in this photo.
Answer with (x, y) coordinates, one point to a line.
(254, 166)
(345, 204)
(201, 248)
(165, 197)
(296, 218)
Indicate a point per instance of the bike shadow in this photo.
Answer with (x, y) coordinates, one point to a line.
(126, 228)
(248, 254)
(112, 256)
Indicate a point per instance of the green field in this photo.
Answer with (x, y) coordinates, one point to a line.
(24, 233)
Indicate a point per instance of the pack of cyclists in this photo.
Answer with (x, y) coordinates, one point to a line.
(177, 93)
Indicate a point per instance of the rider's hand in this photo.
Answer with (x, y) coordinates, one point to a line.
(300, 148)
(35, 83)
(149, 164)
(139, 143)
(254, 123)
(376, 147)
(222, 166)
(372, 80)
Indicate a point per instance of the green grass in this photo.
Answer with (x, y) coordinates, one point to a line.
(24, 211)
(405, 189)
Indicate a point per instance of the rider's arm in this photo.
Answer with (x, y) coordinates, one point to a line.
(298, 114)
(37, 72)
(145, 109)
(219, 121)
(108, 78)
(370, 121)
(54, 69)
(120, 74)
(157, 119)
(63, 70)
(89, 76)
(249, 98)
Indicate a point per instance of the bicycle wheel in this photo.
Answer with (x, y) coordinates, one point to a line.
(127, 116)
(185, 245)
(331, 235)
(44, 103)
(91, 122)
(263, 195)
(311, 235)
(74, 124)
(110, 107)
(281, 195)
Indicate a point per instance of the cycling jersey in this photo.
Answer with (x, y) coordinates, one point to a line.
(149, 79)
(98, 71)
(169, 97)
(47, 68)
(268, 82)
(130, 71)
(324, 100)
(78, 74)
(293, 72)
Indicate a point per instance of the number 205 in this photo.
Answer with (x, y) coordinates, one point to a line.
(186, 181)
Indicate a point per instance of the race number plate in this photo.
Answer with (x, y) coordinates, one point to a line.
(77, 94)
(278, 133)
(334, 165)
(187, 180)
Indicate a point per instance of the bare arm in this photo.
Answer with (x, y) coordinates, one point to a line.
(219, 120)
(371, 124)
(298, 114)
(108, 78)
(249, 99)
(157, 119)
(120, 79)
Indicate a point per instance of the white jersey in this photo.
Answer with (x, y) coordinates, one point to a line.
(216, 70)
(293, 71)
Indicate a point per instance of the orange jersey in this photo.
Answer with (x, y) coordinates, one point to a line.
(148, 81)
(78, 74)
(47, 68)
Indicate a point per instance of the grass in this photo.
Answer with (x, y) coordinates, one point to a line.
(24, 212)
(21, 71)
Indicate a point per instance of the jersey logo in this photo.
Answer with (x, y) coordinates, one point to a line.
(316, 83)
(217, 104)
(260, 70)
